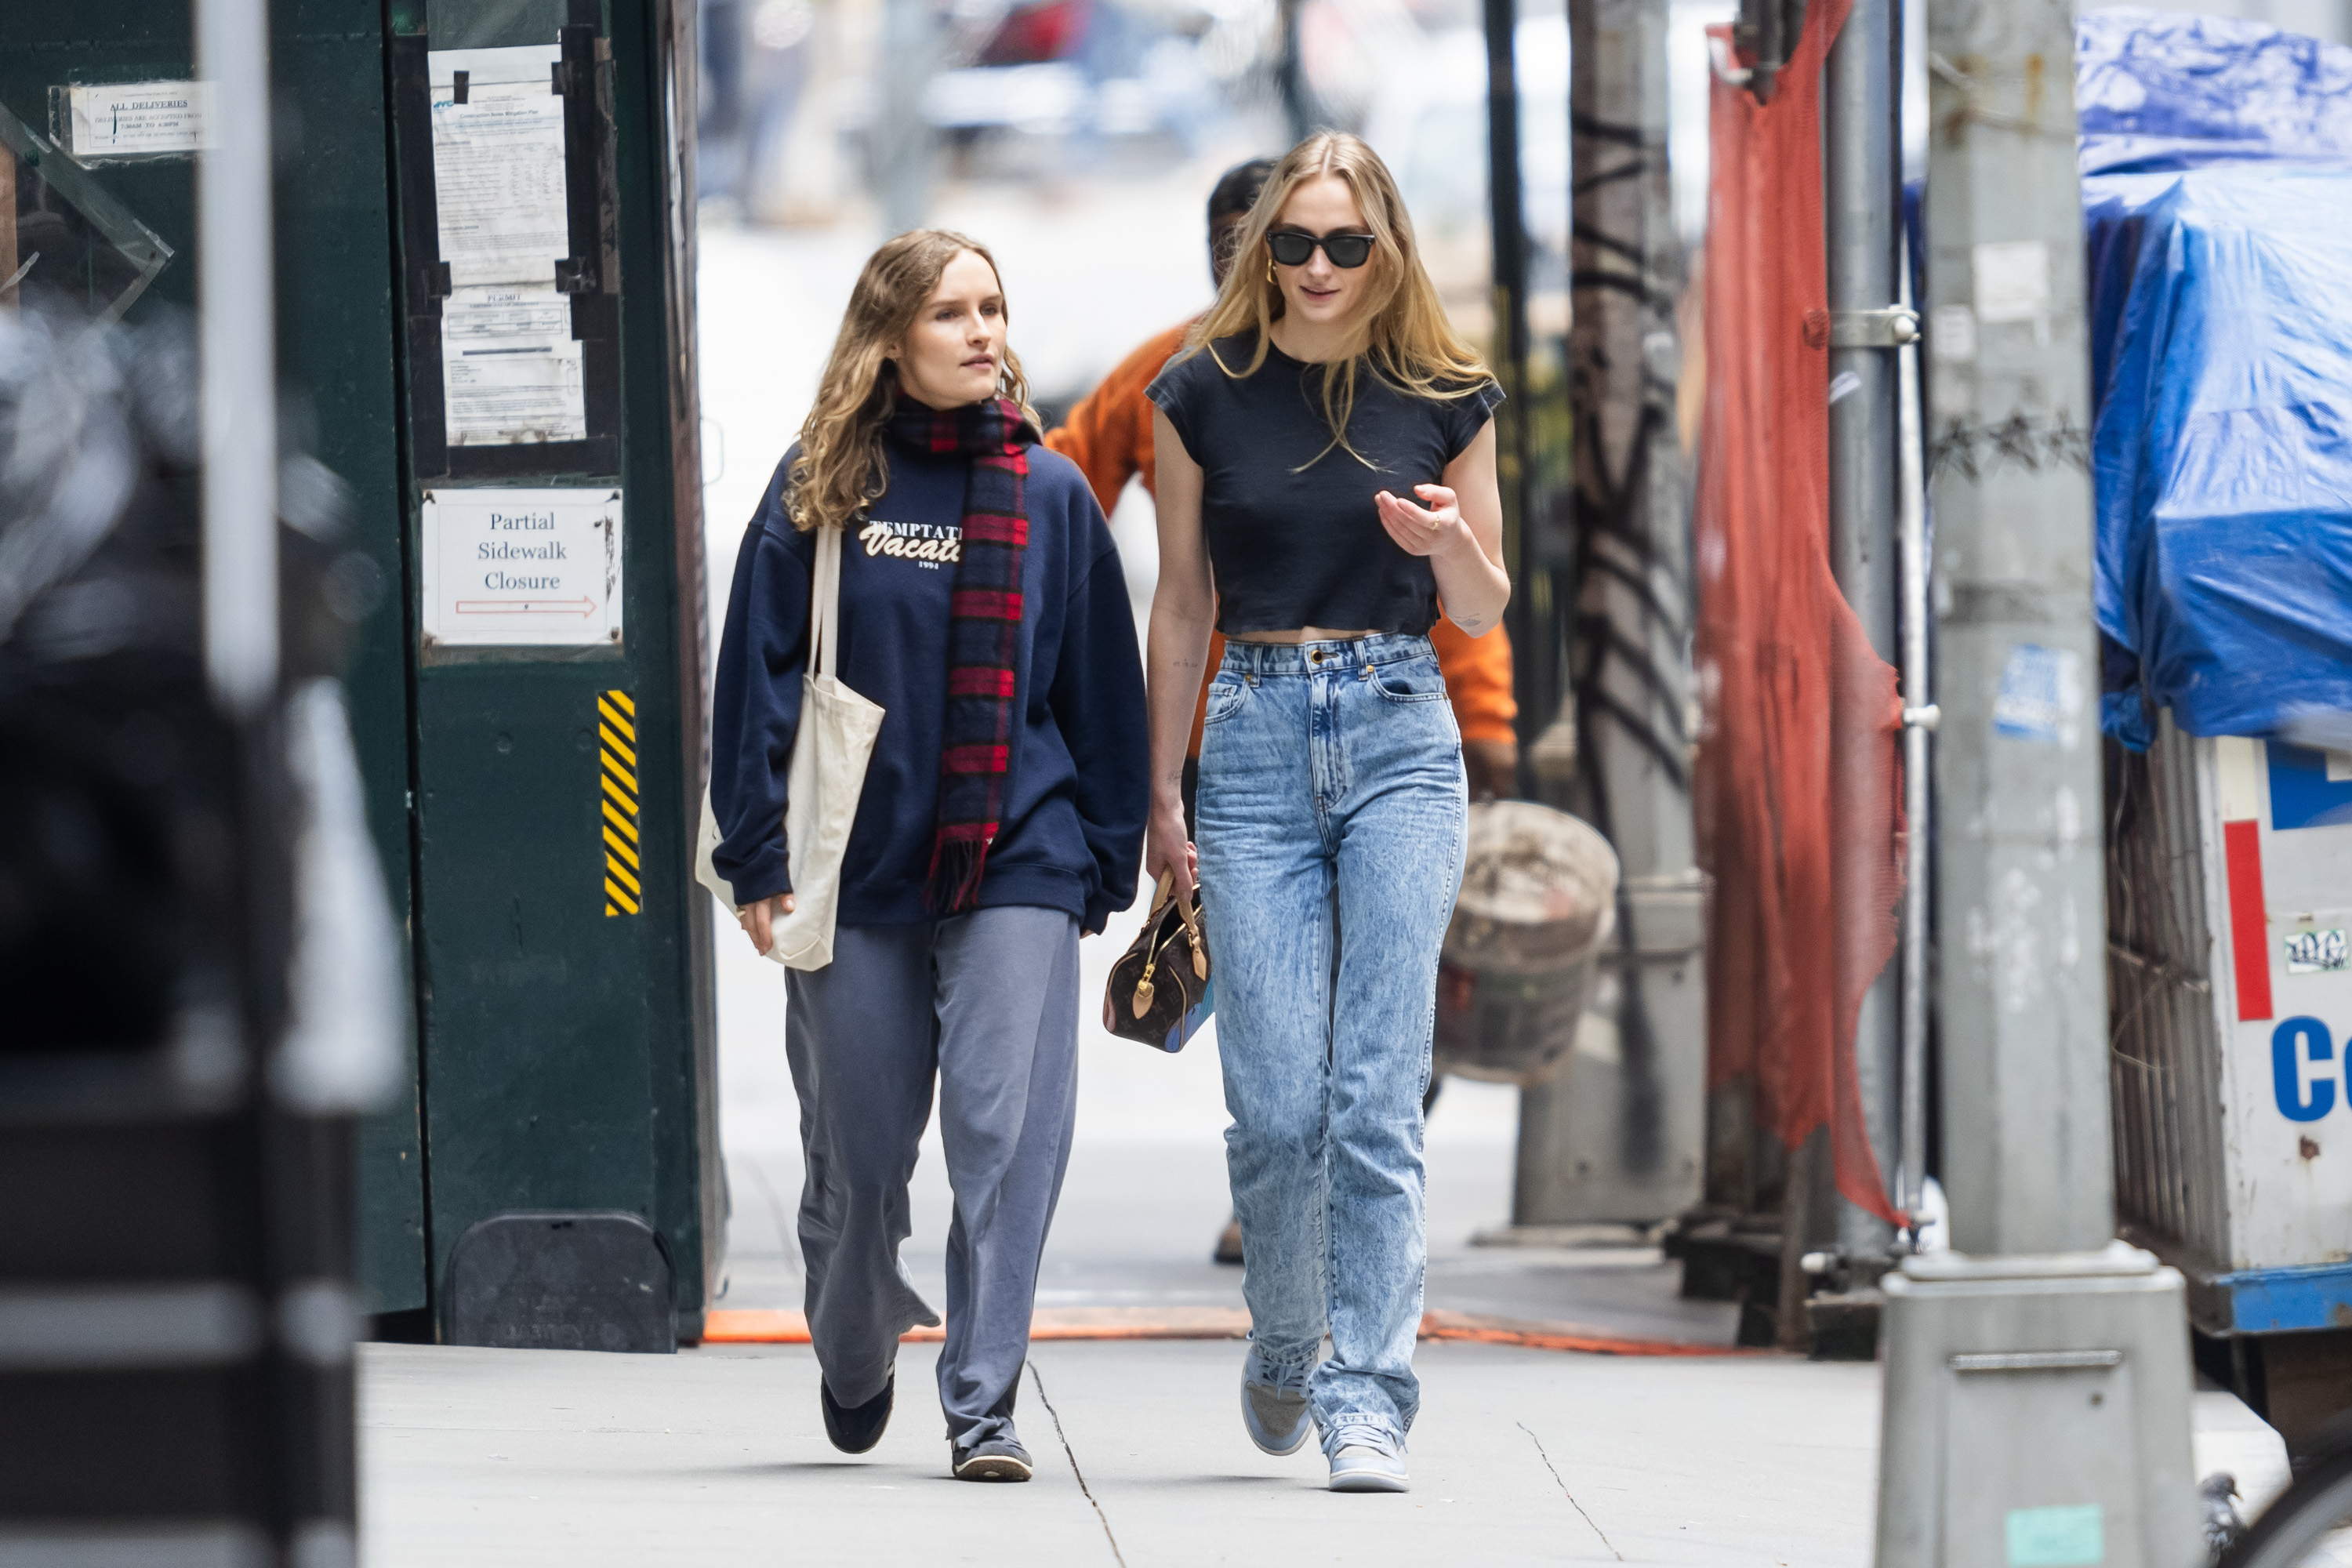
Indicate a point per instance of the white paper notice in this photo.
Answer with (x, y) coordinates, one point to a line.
(498, 166)
(2012, 279)
(506, 317)
(500, 401)
(509, 369)
(522, 568)
(136, 120)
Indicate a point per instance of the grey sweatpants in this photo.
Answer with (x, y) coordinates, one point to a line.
(987, 1002)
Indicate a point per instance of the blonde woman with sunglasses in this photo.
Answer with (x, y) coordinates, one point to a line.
(1326, 467)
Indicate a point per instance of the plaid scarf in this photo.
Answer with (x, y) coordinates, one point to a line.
(983, 632)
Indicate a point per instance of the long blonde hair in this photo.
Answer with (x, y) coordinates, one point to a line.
(842, 468)
(1400, 331)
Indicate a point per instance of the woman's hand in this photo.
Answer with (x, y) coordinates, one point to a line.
(1460, 533)
(1166, 846)
(1425, 531)
(759, 920)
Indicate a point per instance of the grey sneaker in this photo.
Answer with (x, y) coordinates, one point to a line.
(1276, 1418)
(1359, 1468)
(993, 1459)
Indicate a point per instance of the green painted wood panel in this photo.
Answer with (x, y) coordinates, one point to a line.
(568, 1052)
(335, 315)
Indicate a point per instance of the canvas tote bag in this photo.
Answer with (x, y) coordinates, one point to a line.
(830, 752)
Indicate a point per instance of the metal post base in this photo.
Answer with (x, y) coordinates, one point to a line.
(2037, 1413)
(1617, 1136)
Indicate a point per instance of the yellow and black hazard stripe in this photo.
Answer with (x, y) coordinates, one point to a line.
(616, 731)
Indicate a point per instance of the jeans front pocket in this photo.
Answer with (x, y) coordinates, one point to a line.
(1414, 680)
(1225, 696)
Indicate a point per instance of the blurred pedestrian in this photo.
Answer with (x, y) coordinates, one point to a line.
(1108, 435)
(983, 608)
(1323, 381)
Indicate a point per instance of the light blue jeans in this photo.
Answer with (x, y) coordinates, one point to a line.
(1331, 783)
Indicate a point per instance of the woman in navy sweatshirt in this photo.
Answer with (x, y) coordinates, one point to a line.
(983, 608)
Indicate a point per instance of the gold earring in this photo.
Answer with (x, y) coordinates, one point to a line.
(1269, 270)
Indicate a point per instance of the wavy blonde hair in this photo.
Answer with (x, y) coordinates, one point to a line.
(842, 468)
(1400, 331)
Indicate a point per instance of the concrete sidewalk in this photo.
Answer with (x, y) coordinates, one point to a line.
(718, 1456)
(475, 1458)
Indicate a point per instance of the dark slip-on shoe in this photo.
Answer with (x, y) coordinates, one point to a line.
(859, 1427)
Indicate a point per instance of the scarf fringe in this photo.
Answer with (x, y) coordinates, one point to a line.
(957, 867)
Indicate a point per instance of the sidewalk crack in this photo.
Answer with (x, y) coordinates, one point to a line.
(1039, 1379)
(1555, 1476)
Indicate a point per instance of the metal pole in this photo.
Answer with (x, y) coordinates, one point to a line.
(236, 340)
(1861, 200)
(1509, 227)
(1630, 665)
(2024, 987)
(1920, 718)
(1289, 75)
(1630, 645)
(2036, 1407)
(908, 42)
(1632, 662)
(297, 1159)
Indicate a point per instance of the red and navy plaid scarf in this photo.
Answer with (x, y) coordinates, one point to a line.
(983, 632)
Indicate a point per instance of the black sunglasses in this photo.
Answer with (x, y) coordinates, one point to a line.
(1346, 250)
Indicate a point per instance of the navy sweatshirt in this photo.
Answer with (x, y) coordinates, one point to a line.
(1078, 790)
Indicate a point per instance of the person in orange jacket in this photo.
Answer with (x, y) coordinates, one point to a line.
(1108, 435)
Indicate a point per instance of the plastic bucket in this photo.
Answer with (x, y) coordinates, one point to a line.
(1539, 903)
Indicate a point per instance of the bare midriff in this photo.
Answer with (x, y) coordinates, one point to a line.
(1303, 635)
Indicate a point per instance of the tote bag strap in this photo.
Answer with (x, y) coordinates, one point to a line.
(825, 601)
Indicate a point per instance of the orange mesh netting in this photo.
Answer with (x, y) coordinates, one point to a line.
(1803, 911)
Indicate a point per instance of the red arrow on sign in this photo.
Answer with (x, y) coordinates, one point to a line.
(583, 606)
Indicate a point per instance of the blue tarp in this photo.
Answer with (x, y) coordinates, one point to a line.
(2160, 90)
(2217, 157)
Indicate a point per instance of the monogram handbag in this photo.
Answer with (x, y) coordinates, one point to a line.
(830, 753)
(1159, 991)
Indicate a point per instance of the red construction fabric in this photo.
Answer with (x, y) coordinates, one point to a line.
(1803, 916)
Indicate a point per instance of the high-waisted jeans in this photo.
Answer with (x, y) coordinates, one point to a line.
(1331, 784)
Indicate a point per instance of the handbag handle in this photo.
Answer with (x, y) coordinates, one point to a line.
(1189, 907)
(1189, 910)
(825, 601)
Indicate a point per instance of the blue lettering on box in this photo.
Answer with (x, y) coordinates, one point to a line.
(2294, 1041)
(2305, 792)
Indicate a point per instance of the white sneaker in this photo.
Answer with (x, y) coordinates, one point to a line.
(1360, 1468)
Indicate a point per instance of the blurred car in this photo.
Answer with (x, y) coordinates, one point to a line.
(1087, 67)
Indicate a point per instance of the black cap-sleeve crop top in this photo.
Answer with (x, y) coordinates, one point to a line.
(1294, 538)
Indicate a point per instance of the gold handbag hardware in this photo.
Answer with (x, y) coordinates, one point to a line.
(1162, 977)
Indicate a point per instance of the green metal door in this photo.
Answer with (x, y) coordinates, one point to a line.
(564, 955)
(533, 806)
